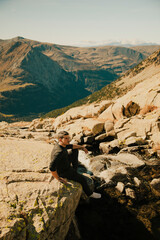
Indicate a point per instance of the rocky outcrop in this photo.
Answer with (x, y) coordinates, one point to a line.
(82, 112)
(130, 181)
(128, 168)
(42, 125)
(141, 127)
(145, 93)
(32, 206)
(115, 167)
(44, 210)
(135, 130)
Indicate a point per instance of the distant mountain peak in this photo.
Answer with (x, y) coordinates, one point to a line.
(18, 38)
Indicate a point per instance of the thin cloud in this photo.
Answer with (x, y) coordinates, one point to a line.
(132, 42)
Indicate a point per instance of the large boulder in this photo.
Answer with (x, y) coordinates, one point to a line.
(35, 208)
(87, 127)
(98, 164)
(32, 206)
(155, 138)
(107, 147)
(128, 159)
(104, 136)
(135, 141)
(118, 166)
(131, 109)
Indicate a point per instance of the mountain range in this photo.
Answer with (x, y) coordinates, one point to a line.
(141, 73)
(38, 77)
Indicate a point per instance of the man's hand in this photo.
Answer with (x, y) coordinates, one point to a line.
(85, 150)
(62, 180)
(80, 147)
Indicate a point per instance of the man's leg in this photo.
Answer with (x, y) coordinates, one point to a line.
(71, 174)
(73, 158)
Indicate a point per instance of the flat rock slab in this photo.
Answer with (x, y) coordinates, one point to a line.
(24, 155)
(127, 159)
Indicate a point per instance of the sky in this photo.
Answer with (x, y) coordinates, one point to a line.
(82, 22)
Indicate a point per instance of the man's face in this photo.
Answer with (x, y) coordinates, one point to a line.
(65, 140)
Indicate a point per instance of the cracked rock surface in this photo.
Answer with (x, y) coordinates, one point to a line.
(31, 206)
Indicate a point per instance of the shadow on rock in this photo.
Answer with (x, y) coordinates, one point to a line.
(106, 218)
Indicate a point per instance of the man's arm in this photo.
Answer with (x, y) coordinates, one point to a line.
(60, 179)
(80, 147)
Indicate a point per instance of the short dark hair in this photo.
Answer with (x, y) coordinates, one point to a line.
(61, 134)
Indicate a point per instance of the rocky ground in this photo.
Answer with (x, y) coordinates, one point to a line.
(123, 139)
(123, 156)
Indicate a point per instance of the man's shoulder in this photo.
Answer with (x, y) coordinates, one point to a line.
(56, 152)
(57, 148)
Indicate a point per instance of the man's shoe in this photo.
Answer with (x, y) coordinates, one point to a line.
(95, 195)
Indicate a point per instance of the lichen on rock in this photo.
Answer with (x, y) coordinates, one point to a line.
(32, 207)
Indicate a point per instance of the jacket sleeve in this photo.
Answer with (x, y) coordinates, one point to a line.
(55, 160)
(69, 146)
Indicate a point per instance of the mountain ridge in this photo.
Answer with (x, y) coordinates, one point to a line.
(118, 88)
(25, 71)
(35, 75)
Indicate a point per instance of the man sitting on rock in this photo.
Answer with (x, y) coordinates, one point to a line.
(61, 160)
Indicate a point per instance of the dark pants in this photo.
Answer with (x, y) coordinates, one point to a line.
(72, 174)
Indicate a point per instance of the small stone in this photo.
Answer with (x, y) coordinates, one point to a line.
(130, 193)
(78, 138)
(120, 186)
(30, 136)
(106, 147)
(137, 181)
(155, 184)
(89, 139)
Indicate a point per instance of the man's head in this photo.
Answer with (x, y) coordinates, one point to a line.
(64, 138)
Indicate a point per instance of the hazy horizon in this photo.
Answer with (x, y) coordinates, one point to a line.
(97, 44)
(82, 23)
